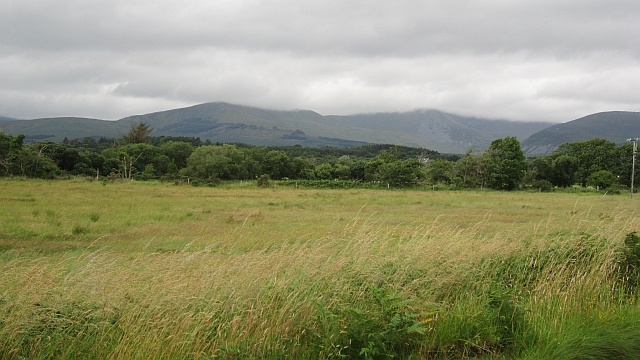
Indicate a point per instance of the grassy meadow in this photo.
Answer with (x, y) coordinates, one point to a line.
(144, 270)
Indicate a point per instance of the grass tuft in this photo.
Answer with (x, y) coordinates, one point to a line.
(79, 230)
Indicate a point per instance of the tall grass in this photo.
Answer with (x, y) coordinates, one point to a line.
(365, 289)
(451, 294)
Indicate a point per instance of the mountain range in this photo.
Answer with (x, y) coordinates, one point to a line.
(432, 129)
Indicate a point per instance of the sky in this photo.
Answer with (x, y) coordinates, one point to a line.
(523, 60)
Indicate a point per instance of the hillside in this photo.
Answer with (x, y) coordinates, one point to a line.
(615, 126)
(234, 123)
(446, 132)
(223, 122)
(56, 129)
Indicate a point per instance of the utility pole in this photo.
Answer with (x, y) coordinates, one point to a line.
(633, 167)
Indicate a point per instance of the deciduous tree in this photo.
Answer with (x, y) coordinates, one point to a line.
(506, 163)
(216, 162)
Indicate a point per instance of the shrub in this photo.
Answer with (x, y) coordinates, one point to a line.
(79, 230)
(542, 185)
(388, 327)
(114, 176)
(615, 189)
(264, 181)
(94, 217)
(208, 182)
(602, 179)
(149, 173)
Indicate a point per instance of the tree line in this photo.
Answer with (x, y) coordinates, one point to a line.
(137, 155)
(598, 163)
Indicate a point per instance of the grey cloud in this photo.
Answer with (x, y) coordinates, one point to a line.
(523, 60)
(332, 26)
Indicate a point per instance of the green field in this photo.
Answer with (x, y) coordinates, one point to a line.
(153, 271)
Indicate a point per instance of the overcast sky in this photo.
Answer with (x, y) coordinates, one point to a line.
(551, 60)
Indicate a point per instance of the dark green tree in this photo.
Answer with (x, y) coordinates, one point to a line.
(602, 179)
(133, 159)
(6, 142)
(372, 169)
(67, 158)
(440, 171)
(559, 169)
(591, 156)
(401, 173)
(303, 169)
(471, 170)
(324, 171)
(148, 173)
(506, 164)
(564, 170)
(357, 170)
(216, 162)
(178, 152)
(172, 168)
(277, 164)
(342, 169)
(30, 160)
(17, 142)
(138, 134)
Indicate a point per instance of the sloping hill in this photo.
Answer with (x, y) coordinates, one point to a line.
(56, 129)
(445, 132)
(222, 122)
(234, 123)
(615, 126)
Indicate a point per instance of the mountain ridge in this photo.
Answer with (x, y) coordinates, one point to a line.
(614, 126)
(224, 122)
(6, 118)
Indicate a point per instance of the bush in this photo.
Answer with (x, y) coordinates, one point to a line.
(602, 179)
(542, 185)
(264, 181)
(211, 182)
(114, 177)
(79, 230)
(616, 189)
(332, 184)
(389, 327)
(149, 173)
